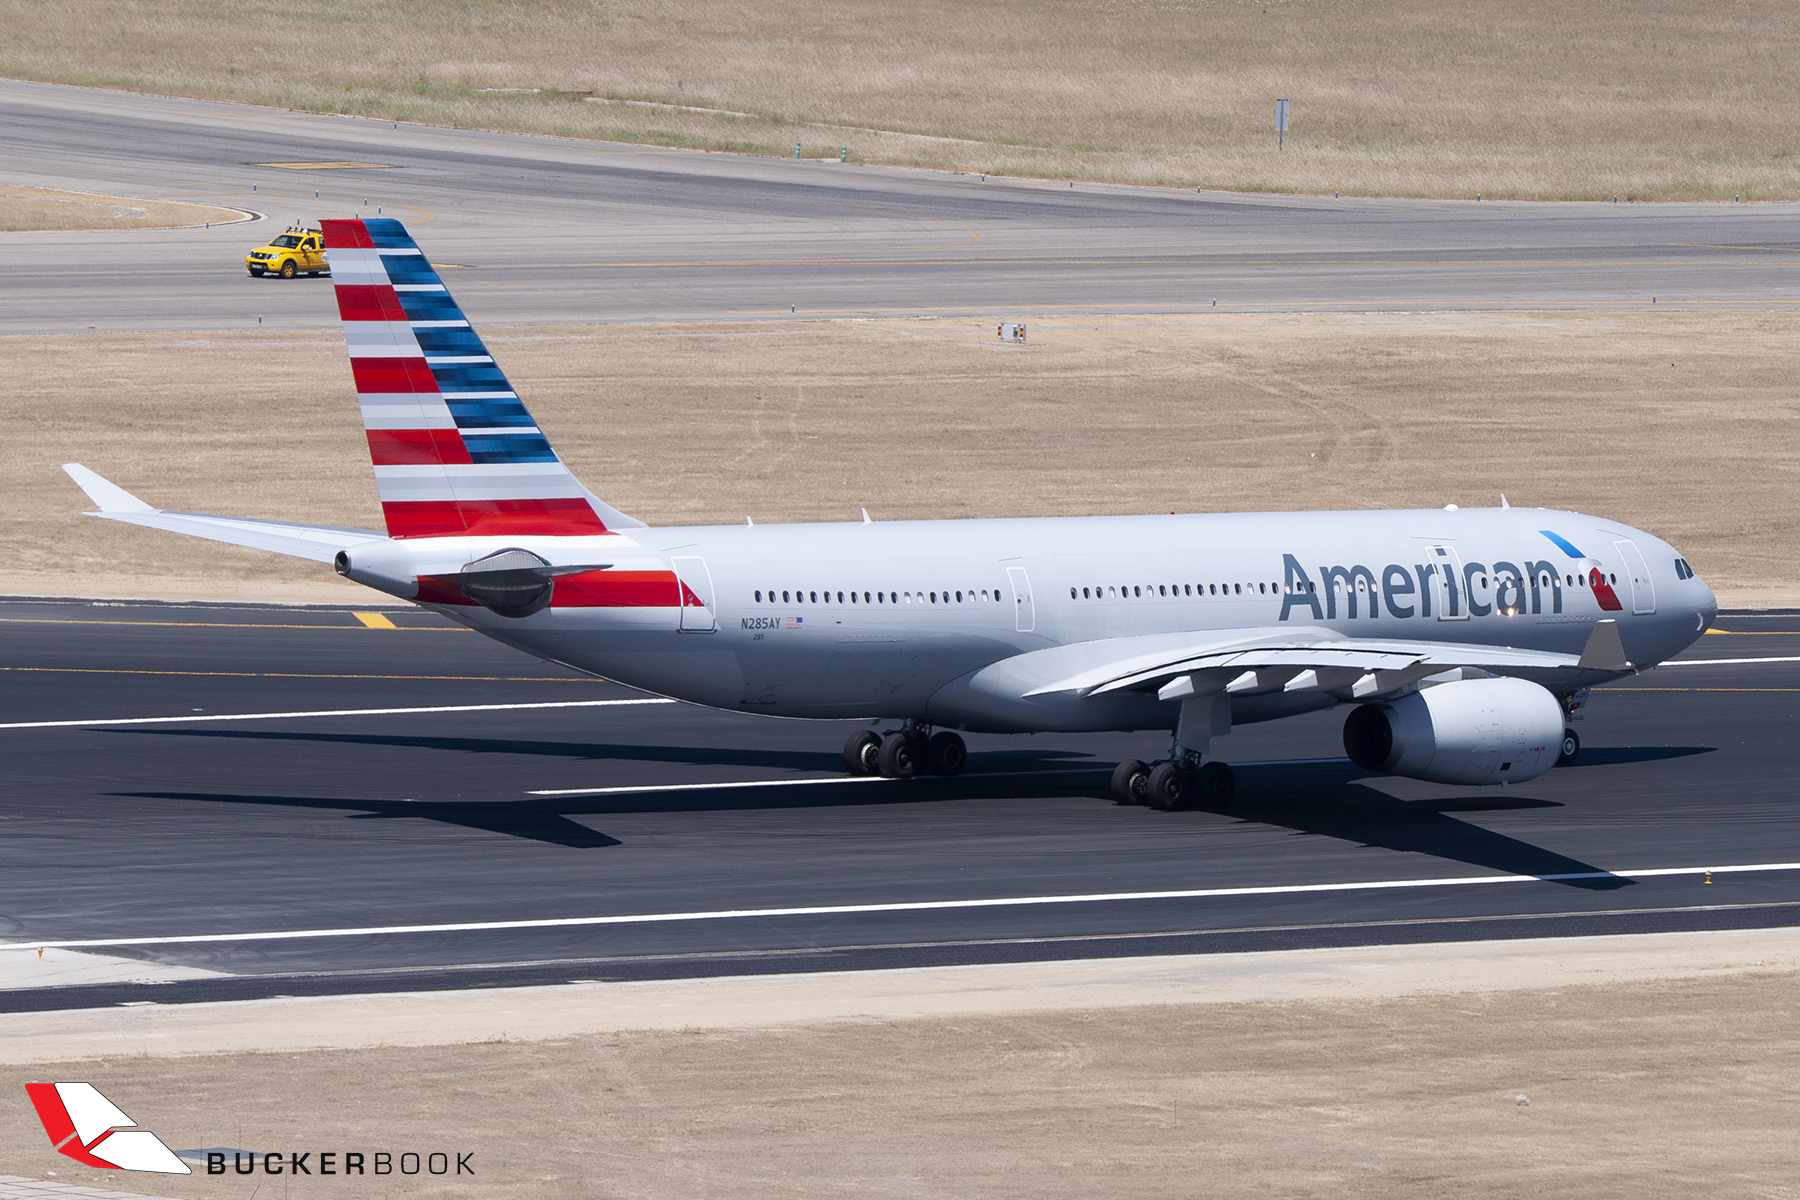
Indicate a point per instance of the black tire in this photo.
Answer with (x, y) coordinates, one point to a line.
(862, 753)
(312, 274)
(256, 272)
(899, 757)
(1214, 784)
(1168, 788)
(1570, 750)
(287, 269)
(1128, 780)
(946, 754)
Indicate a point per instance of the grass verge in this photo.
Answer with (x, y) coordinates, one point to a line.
(1682, 424)
(1543, 99)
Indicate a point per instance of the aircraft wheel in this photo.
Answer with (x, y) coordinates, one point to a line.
(1128, 780)
(1570, 749)
(899, 758)
(1215, 783)
(862, 753)
(287, 269)
(946, 754)
(1168, 788)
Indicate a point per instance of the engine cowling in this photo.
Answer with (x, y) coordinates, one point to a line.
(1473, 731)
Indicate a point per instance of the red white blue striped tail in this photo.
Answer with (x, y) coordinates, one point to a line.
(455, 452)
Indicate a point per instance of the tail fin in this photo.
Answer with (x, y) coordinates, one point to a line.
(455, 452)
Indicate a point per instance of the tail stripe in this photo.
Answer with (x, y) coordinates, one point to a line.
(454, 450)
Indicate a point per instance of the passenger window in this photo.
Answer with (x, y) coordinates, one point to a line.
(1187, 589)
(759, 597)
(784, 595)
(1238, 588)
(959, 595)
(815, 597)
(1137, 591)
(1084, 593)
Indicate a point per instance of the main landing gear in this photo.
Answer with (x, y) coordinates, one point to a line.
(1180, 783)
(905, 752)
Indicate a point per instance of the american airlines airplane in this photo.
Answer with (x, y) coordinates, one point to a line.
(1461, 641)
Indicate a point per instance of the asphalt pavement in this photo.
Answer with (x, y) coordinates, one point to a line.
(526, 824)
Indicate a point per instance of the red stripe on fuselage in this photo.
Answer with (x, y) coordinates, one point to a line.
(369, 302)
(346, 234)
(592, 589)
(569, 517)
(391, 375)
(411, 447)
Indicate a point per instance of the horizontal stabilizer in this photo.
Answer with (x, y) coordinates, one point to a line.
(319, 543)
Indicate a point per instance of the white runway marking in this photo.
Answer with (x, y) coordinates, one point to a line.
(818, 910)
(762, 783)
(1722, 662)
(328, 712)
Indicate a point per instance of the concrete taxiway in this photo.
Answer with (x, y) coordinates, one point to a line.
(535, 229)
(278, 801)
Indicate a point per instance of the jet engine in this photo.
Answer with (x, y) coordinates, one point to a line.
(1471, 731)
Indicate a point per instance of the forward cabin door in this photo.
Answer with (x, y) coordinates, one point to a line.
(1643, 592)
(694, 589)
(1025, 615)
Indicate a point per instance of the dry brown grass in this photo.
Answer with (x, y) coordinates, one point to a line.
(1661, 99)
(1685, 425)
(28, 209)
(1636, 1091)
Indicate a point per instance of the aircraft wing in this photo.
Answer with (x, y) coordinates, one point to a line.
(317, 542)
(1256, 662)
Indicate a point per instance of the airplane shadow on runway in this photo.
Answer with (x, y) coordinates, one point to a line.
(1328, 798)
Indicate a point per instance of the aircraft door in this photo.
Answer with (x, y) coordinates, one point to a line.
(694, 594)
(1643, 592)
(1025, 615)
(1447, 599)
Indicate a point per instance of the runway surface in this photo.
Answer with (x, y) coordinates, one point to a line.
(357, 829)
(535, 229)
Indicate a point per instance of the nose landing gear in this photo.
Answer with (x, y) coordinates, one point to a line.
(1174, 784)
(905, 752)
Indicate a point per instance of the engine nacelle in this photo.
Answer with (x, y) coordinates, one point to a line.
(1473, 731)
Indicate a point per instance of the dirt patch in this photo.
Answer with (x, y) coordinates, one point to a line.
(1657, 1088)
(1551, 99)
(1682, 424)
(28, 209)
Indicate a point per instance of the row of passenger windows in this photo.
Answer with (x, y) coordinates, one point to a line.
(1254, 589)
(971, 596)
(1133, 591)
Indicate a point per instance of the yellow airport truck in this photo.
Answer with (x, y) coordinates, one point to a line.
(300, 249)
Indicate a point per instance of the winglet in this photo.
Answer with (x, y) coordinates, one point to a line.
(108, 495)
(1604, 651)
